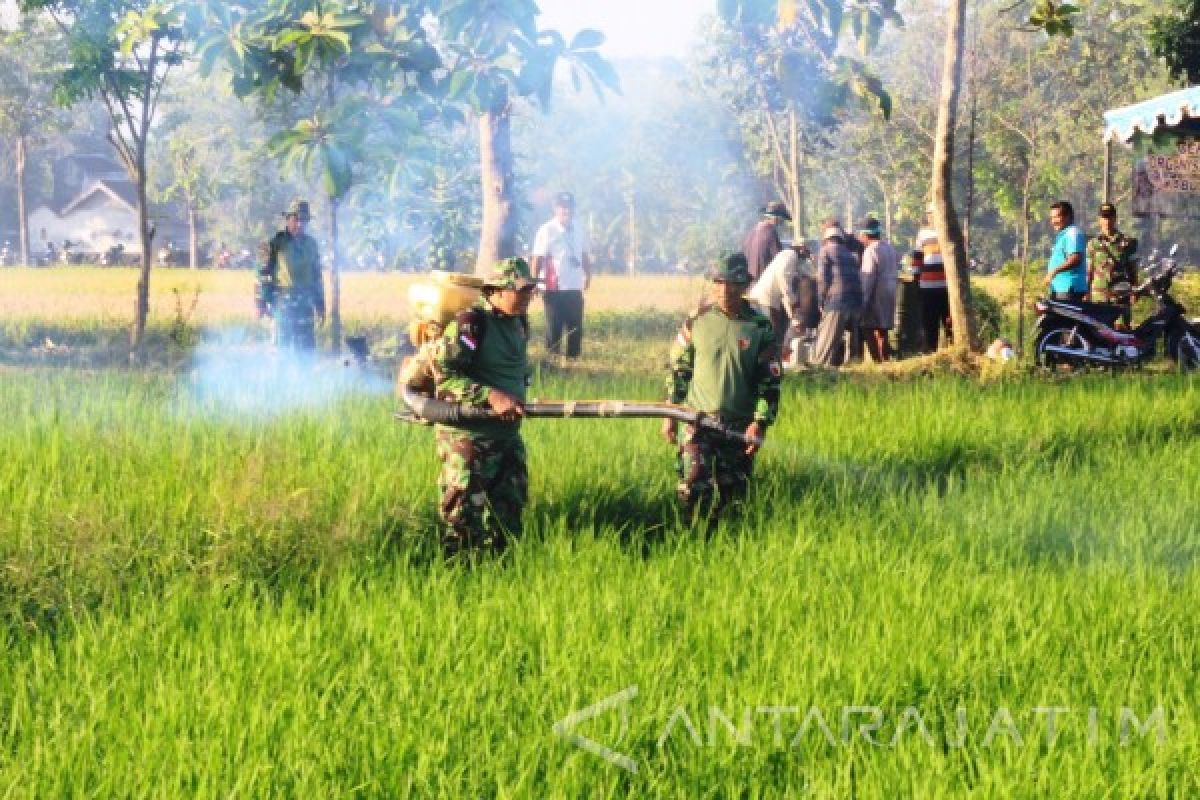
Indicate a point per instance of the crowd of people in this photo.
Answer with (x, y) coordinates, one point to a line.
(725, 360)
(854, 296)
(835, 304)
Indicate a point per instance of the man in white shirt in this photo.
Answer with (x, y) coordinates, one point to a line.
(563, 269)
(777, 293)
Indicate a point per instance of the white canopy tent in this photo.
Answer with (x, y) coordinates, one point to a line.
(1175, 110)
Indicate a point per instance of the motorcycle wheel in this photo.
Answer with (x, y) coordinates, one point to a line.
(1187, 351)
(1062, 337)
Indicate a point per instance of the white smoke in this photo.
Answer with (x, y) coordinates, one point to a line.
(235, 378)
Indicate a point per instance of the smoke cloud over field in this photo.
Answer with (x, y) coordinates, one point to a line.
(235, 378)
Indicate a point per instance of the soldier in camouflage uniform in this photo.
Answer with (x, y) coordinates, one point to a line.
(290, 288)
(1110, 261)
(481, 360)
(725, 362)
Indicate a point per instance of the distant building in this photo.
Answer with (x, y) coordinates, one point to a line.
(96, 209)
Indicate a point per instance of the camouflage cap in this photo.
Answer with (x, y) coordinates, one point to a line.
(730, 268)
(299, 208)
(511, 273)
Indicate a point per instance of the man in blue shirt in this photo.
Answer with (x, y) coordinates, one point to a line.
(1066, 273)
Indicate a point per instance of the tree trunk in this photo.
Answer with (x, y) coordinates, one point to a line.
(146, 234)
(1025, 190)
(633, 233)
(795, 191)
(971, 162)
(497, 239)
(22, 211)
(335, 280)
(193, 251)
(954, 252)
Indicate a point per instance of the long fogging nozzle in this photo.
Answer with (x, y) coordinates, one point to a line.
(426, 409)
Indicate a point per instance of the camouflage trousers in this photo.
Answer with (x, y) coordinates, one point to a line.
(714, 471)
(295, 324)
(484, 483)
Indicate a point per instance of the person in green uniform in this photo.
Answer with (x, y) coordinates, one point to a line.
(290, 289)
(481, 360)
(724, 362)
(1110, 261)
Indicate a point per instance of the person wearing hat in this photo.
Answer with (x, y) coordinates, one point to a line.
(290, 289)
(935, 296)
(880, 274)
(724, 362)
(839, 294)
(762, 243)
(779, 294)
(1110, 260)
(481, 360)
(562, 264)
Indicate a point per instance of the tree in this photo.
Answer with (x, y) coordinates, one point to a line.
(123, 51)
(208, 158)
(1175, 36)
(356, 67)
(954, 249)
(495, 53)
(28, 112)
(661, 163)
(780, 67)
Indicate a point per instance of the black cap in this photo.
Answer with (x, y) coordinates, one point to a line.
(776, 209)
(564, 200)
(1108, 210)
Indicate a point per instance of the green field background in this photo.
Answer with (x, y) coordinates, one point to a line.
(198, 603)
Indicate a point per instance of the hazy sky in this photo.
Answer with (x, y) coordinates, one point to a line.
(633, 27)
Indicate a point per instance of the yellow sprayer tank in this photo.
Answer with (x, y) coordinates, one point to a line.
(441, 297)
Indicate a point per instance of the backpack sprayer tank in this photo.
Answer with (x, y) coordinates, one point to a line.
(434, 303)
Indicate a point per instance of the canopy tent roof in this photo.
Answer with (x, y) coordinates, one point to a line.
(1166, 111)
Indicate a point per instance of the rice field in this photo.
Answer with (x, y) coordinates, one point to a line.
(941, 587)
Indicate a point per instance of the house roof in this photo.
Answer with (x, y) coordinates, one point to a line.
(124, 193)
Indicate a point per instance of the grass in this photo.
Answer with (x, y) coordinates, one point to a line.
(201, 599)
(201, 604)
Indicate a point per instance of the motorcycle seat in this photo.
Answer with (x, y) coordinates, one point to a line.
(1104, 312)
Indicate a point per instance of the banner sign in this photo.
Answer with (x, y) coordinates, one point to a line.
(1167, 184)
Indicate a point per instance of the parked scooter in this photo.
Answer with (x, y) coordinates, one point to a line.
(1080, 335)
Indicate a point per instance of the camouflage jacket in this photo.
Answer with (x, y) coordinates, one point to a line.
(482, 349)
(292, 264)
(726, 365)
(1110, 261)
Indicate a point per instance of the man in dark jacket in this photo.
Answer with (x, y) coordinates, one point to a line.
(290, 288)
(839, 293)
(763, 243)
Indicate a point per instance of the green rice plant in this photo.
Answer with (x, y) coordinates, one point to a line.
(202, 603)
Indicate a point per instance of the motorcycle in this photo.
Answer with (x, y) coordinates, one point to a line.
(1080, 334)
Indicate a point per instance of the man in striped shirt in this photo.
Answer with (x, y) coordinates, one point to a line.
(935, 298)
